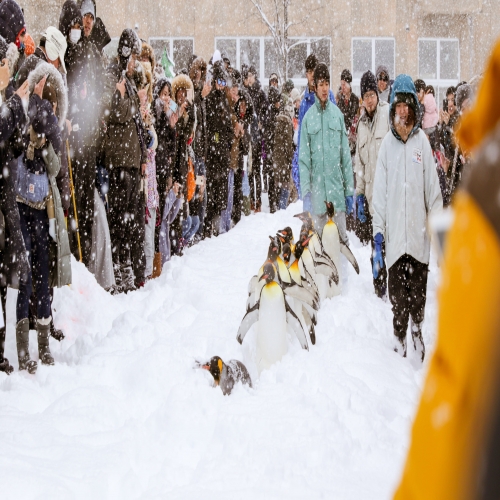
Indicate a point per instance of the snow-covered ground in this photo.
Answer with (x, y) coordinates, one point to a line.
(123, 414)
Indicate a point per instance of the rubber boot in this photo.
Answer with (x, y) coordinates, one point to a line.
(43, 330)
(56, 333)
(418, 341)
(23, 344)
(127, 278)
(5, 366)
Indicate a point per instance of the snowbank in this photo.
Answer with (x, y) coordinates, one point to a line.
(123, 414)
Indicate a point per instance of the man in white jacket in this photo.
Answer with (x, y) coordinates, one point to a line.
(406, 192)
(372, 128)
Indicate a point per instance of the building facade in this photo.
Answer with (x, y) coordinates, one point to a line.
(440, 41)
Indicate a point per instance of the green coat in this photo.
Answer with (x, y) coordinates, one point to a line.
(325, 158)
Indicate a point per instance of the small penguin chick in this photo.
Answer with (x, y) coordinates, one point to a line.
(227, 375)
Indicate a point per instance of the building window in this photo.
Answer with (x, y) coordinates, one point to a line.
(439, 64)
(179, 50)
(370, 53)
(261, 53)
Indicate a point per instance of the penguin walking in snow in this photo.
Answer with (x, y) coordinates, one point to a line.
(272, 314)
(226, 375)
(332, 242)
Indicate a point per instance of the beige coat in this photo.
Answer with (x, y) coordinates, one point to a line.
(370, 136)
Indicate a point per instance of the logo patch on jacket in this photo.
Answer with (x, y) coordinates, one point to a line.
(417, 156)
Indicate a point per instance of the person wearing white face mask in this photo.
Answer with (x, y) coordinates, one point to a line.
(84, 69)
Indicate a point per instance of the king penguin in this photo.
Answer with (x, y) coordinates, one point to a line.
(272, 314)
(226, 375)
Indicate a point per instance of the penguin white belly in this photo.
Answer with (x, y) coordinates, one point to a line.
(272, 343)
(331, 245)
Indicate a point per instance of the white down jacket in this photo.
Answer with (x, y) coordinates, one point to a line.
(406, 191)
(371, 133)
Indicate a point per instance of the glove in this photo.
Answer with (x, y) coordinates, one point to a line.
(349, 203)
(378, 259)
(52, 229)
(307, 203)
(360, 200)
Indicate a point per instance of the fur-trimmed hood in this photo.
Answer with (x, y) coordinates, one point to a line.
(181, 82)
(54, 79)
(12, 57)
(198, 64)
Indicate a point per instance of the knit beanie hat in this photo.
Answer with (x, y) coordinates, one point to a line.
(88, 8)
(464, 92)
(346, 76)
(128, 44)
(274, 95)
(288, 86)
(368, 83)
(321, 73)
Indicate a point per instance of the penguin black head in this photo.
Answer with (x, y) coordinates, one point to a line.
(301, 245)
(330, 209)
(269, 272)
(287, 253)
(274, 248)
(285, 235)
(306, 219)
(214, 366)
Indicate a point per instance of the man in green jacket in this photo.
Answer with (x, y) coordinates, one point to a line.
(325, 158)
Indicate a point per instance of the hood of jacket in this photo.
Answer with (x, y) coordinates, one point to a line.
(181, 81)
(403, 84)
(55, 79)
(431, 117)
(70, 15)
(198, 64)
(11, 20)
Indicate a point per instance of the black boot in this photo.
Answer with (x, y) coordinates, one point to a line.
(54, 332)
(4, 362)
(43, 343)
(418, 341)
(400, 344)
(23, 344)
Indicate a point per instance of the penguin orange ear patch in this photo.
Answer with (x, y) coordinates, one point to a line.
(219, 363)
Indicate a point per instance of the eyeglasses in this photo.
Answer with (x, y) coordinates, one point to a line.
(369, 95)
(221, 82)
(383, 78)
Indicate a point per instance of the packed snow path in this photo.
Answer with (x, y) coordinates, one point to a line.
(123, 414)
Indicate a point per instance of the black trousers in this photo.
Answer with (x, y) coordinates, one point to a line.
(83, 163)
(127, 219)
(407, 292)
(217, 190)
(273, 190)
(238, 195)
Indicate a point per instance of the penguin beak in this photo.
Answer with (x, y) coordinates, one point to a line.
(205, 367)
(264, 277)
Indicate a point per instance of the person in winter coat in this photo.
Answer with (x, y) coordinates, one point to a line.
(126, 159)
(274, 99)
(325, 158)
(431, 118)
(165, 121)
(220, 134)
(41, 216)
(52, 49)
(384, 83)
(372, 128)
(307, 102)
(283, 152)
(454, 450)
(347, 101)
(405, 193)
(260, 105)
(93, 27)
(84, 78)
(13, 261)
(13, 30)
(182, 87)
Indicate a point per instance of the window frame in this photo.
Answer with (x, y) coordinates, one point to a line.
(171, 45)
(356, 82)
(300, 82)
(441, 82)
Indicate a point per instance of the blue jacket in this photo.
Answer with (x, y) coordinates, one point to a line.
(305, 104)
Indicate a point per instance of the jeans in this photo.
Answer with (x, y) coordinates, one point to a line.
(190, 226)
(225, 218)
(35, 229)
(283, 203)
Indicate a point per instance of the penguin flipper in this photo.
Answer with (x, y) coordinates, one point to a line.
(310, 312)
(296, 325)
(251, 317)
(346, 251)
(330, 272)
(301, 294)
